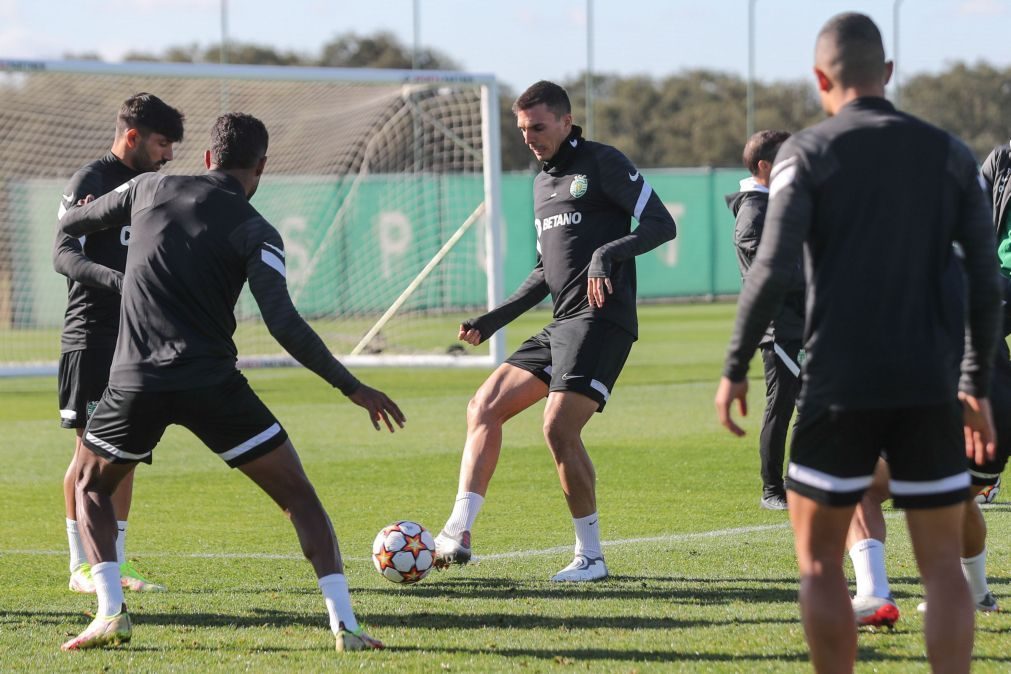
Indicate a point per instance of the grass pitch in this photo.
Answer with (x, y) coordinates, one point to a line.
(703, 580)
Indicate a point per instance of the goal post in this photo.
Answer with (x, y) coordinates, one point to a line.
(384, 184)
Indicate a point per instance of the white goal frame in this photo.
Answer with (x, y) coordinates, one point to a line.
(488, 214)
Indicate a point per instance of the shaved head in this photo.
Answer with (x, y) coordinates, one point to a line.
(850, 52)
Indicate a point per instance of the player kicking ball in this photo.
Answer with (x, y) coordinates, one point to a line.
(196, 240)
(585, 197)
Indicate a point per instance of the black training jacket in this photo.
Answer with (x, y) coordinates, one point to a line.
(877, 240)
(749, 206)
(92, 264)
(585, 198)
(195, 240)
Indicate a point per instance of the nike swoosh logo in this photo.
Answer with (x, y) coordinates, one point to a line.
(634, 176)
(567, 376)
(593, 522)
(573, 142)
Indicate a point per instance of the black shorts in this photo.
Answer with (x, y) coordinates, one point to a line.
(834, 452)
(584, 355)
(228, 417)
(83, 376)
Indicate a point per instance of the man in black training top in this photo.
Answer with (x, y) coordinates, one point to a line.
(882, 343)
(584, 199)
(195, 241)
(781, 344)
(146, 129)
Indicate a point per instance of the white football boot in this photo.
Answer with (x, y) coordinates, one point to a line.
(582, 570)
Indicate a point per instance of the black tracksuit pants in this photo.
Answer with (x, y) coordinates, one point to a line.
(781, 390)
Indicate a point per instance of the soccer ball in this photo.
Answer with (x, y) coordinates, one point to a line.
(403, 552)
(989, 494)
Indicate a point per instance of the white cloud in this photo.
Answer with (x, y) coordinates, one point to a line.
(19, 42)
(983, 7)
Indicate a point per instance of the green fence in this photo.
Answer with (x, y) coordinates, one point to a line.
(384, 226)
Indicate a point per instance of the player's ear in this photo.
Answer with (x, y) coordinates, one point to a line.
(889, 69)
(260, 165)
(207, 158)
(132, 138)
(824, 83)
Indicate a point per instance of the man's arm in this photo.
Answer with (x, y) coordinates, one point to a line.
(110, 210)
(976, 236)
(628, 189)
(69, 259)
(527, 296)
(787, 223)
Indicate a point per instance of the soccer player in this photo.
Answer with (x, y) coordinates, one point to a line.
(584, 199)
(146, 130)
(782, 341)
(196, 240)
(881, 374)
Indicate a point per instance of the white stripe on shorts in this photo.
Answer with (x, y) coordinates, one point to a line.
(118, 453)
(925, 487)
(600, 387)
(985, 476)
(825, 482)
(69, 415)
(251, 443)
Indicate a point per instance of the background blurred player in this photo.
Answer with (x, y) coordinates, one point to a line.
(584, 199)
(146, 130)
(196, 241)
(781, 344)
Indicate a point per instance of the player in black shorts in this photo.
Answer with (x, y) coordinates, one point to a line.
(876, 198)
(146, 130)
(585, 197)
(196, 240)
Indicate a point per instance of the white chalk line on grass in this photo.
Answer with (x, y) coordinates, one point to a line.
(667, 538)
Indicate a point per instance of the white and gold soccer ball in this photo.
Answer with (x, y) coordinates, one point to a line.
(403, 552)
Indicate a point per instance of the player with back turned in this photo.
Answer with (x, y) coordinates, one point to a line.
(196, 241)
(585, 198)
(146, 130)
(882, 341)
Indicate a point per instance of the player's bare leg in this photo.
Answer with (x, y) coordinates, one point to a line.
(279, 473)
(97, 479)
(873, 604)
(819, 538)
(564, 418)
(507, 392)
(936, 534)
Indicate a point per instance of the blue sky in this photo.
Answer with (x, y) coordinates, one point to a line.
(523, 40)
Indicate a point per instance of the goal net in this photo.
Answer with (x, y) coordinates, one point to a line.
(384, 185)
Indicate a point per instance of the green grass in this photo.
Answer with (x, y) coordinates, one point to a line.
(687, 601)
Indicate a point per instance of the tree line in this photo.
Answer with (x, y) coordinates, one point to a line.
(689, 118)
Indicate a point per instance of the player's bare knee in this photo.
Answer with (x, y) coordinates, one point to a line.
(483, 410)
(559, 435)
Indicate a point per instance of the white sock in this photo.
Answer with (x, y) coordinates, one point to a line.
(77, 556)
(588, 536)
(974, 569)
(121, 542)
(465, 510)
(108, 588)
(338, 602)
(868, 558)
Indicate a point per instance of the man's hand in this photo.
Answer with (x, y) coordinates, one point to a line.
(595, 290)
(379, 406)
(469, 334)
(980, 436)
(86, 200)
(726, 394)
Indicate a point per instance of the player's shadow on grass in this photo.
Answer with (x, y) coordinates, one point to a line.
(705, 591)
(532, 621)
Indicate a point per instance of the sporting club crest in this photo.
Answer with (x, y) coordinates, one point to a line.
(579, 186)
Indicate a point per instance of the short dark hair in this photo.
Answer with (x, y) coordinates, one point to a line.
(852, 44)
(238, 141)
(147, 113)
(762, 145)
(548, 93)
